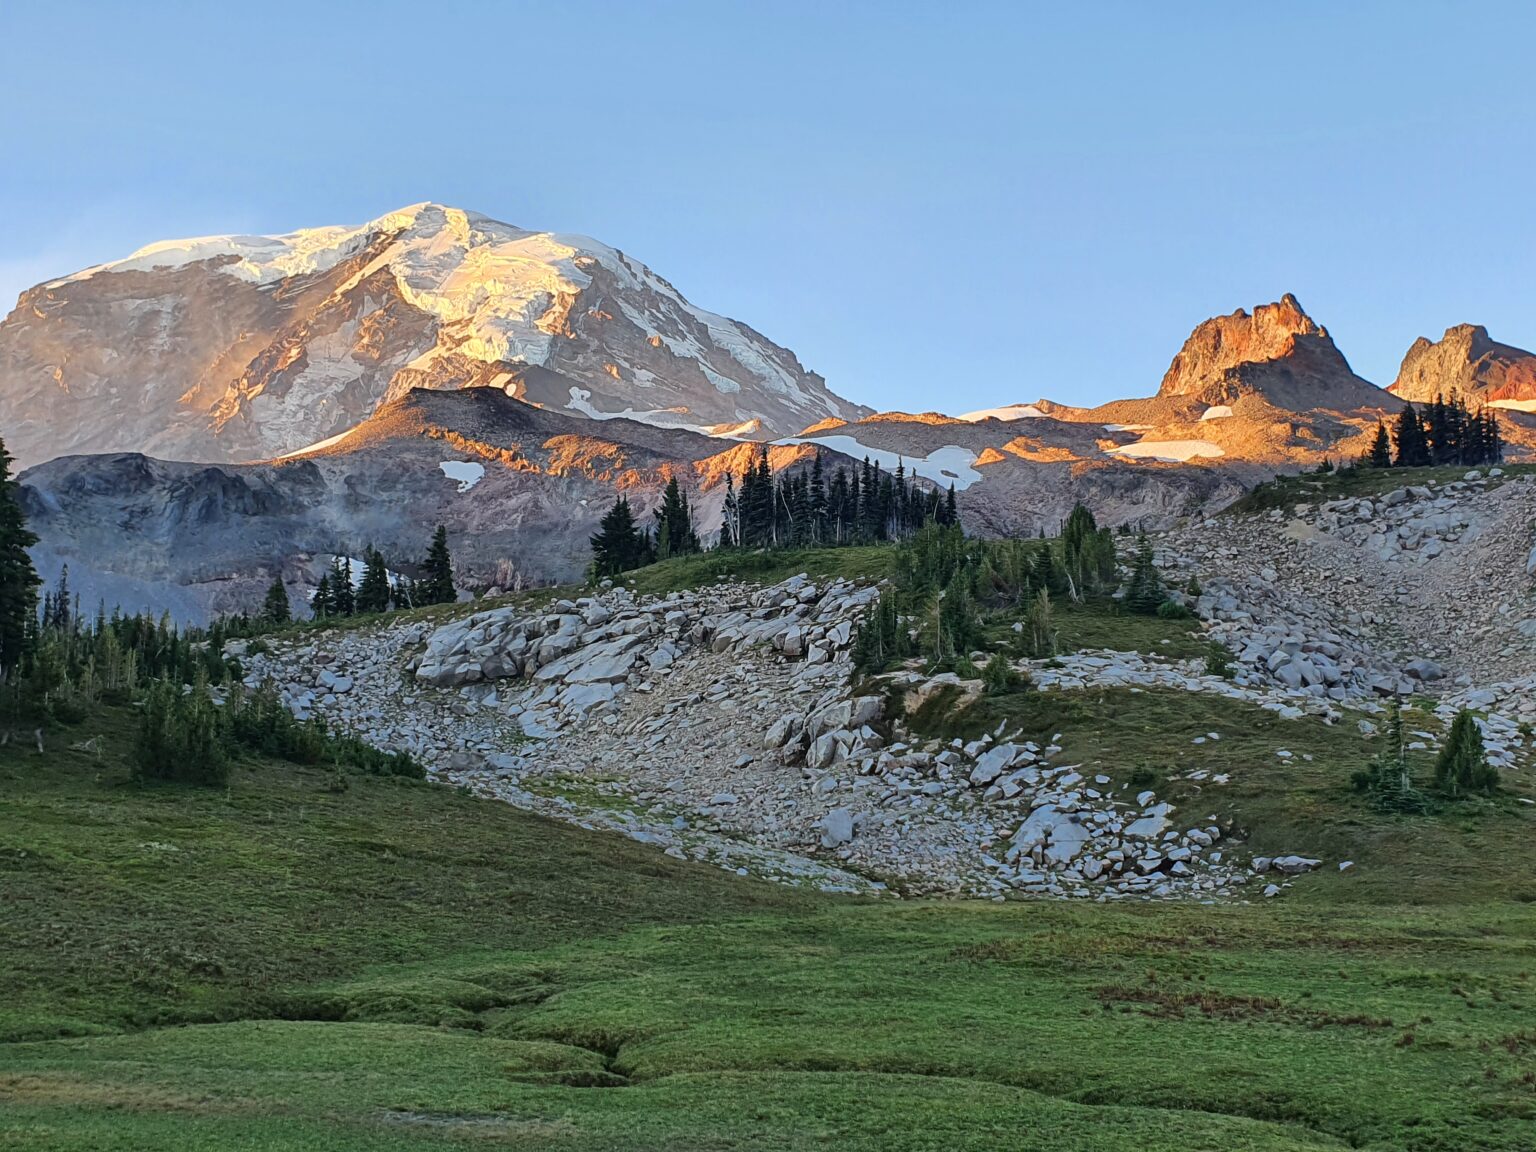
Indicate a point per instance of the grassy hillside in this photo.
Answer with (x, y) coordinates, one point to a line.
(396, 966)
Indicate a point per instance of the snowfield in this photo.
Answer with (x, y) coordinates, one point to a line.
(1177, 451)
(1216, 412)
(581, 401)
(467, 472)
(1011, 412)
(944, 466)
(1514, 405)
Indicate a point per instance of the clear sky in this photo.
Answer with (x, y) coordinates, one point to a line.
(937, 205)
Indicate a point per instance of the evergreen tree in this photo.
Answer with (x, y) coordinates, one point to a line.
(18, 579)
(674, 524)
(1463, 764)
(1380, 455)
(951, 512)
(323, 603)
(274, 609)
(343, 595)
(1411, 441)
(437, 572)
(1145, 591)
(1039, 627)
(817, 500)
(619, 544)
(373, 592)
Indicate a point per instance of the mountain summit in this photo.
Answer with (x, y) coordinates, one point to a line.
(1276, 352)
(228, 348)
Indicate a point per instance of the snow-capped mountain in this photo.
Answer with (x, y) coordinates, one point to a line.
(229, 348)
(1469, 362)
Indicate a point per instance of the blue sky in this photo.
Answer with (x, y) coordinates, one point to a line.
(938, 206)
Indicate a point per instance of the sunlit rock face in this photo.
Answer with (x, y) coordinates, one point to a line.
(1466, 360)
(1277, 352)
(232, 348)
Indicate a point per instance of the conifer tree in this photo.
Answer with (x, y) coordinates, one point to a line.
(436, 585)
(323, 603)
(274, 609)
(730, 515)
(343, 594)
(1463, 764)
(373, 592)
(1380, 455)
(674, 524)
(1145, 591)
(619, 545)
(18, 578)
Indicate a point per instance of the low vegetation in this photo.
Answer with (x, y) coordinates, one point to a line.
(274, 965)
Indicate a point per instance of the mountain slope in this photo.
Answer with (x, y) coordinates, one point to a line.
(519, 488)
(233, 348)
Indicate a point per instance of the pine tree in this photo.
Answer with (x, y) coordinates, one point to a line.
(373, 592)
(619, 545)
(674, 524)
(1145, 591)
(18, 578)
(1380, 455)
(1412, 443)
(730, 515)
(274, 609)
(437, 572)
(343, 596)
(1463, 764)
(1039, 627)
(323, 603)
(818, 503)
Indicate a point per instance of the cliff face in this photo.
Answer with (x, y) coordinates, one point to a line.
(1276, 352)
(1467, 360)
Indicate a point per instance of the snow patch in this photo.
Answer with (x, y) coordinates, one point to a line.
(1126, 427)
(581, 401)
(1177, 451)
(467, 472)
(944, 466)
(1217, 412)
(1010, 412)
(1514, 405)
(317, 445)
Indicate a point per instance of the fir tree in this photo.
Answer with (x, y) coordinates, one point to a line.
(274, 609)
(674, 524)
(1380, 455)
(323, 603)
(343, 595)
(436, 585)
(1463, 764)
(1411, 441)
(18, 579)
(619, 544)
(1145, 592)
(373, 592)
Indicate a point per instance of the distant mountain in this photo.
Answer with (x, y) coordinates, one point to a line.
(237, 348)
(1468, 361)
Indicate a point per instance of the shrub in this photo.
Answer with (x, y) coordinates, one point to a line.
(181, 736)
(998, 677)
(1218, 660)
(1173, 610)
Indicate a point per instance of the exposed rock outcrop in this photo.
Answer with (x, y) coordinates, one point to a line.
(1276, 352)
(1468, 361)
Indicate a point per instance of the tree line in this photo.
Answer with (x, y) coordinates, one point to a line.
(807, 509)
(1444, 432)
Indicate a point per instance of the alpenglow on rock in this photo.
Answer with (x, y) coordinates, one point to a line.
(231, 348)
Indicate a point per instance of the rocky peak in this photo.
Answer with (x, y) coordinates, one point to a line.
(1466, 360)
(1276, 352)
